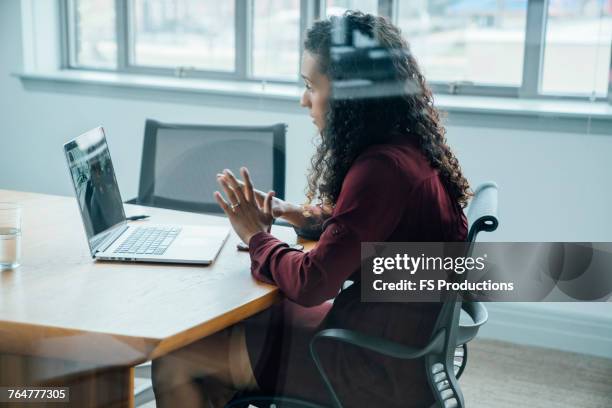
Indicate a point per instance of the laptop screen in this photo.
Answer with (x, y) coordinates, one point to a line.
(94, 182)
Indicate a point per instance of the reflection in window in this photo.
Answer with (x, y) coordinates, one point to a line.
(577, 50)
(95, 41)
(184, 33)
(338, 7)
(465, 40)
(276, 33)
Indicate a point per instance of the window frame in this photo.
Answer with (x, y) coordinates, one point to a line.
(310, 11)
(126, 58)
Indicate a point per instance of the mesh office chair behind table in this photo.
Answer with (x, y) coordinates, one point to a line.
(179, 162)
(446, 353)
(179, 167)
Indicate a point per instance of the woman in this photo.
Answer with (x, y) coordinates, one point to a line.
(382, 172)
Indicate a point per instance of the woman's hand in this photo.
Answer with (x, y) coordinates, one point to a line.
(246, 213)
(297, 215)
(279, 207)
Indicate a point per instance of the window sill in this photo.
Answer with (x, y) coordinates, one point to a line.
(539, 114)
(172, 84)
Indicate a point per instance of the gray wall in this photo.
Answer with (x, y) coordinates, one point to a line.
(553, 185)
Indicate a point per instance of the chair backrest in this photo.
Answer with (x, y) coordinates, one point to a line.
(482, 216)
(482, 212)
(180, 162)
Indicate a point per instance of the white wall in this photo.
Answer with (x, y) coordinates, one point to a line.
(554, 186)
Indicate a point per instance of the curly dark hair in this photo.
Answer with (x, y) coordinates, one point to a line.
(395, 100)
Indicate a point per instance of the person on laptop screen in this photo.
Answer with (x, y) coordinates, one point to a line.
(382, 171)
(94, 180)
(100, 198)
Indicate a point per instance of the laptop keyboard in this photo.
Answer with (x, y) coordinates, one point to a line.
(148, 241)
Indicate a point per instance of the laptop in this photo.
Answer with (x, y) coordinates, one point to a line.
(110, 236)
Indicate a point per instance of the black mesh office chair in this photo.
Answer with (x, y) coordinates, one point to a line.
(179, 162)
(446, 353)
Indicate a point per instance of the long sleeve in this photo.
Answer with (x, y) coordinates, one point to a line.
(371, 203)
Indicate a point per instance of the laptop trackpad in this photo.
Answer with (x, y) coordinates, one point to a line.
(199, 242)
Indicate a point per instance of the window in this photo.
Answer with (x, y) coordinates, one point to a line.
(274, 55)
(515, 48)
(467, 41)
(337, 7)
(578, 37)
(94, 37)
(198, 34)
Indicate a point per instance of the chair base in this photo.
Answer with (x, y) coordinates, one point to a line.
(270, 401)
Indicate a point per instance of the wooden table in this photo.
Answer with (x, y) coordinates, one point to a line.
(66, 320)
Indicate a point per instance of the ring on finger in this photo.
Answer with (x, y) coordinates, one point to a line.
(234, 206)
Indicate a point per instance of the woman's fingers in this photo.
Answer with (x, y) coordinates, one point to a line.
(224, 206)
(240, 183)
(229, 192)
(248, 185)
(260, 196)
(249, 191)
(233, 183)
(267, 207)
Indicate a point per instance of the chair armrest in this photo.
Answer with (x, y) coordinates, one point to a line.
(380, 345)
(479, 315)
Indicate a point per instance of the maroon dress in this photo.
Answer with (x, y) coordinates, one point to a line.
(391, 193)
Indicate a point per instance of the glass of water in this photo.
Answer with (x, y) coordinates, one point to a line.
(10, 235)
